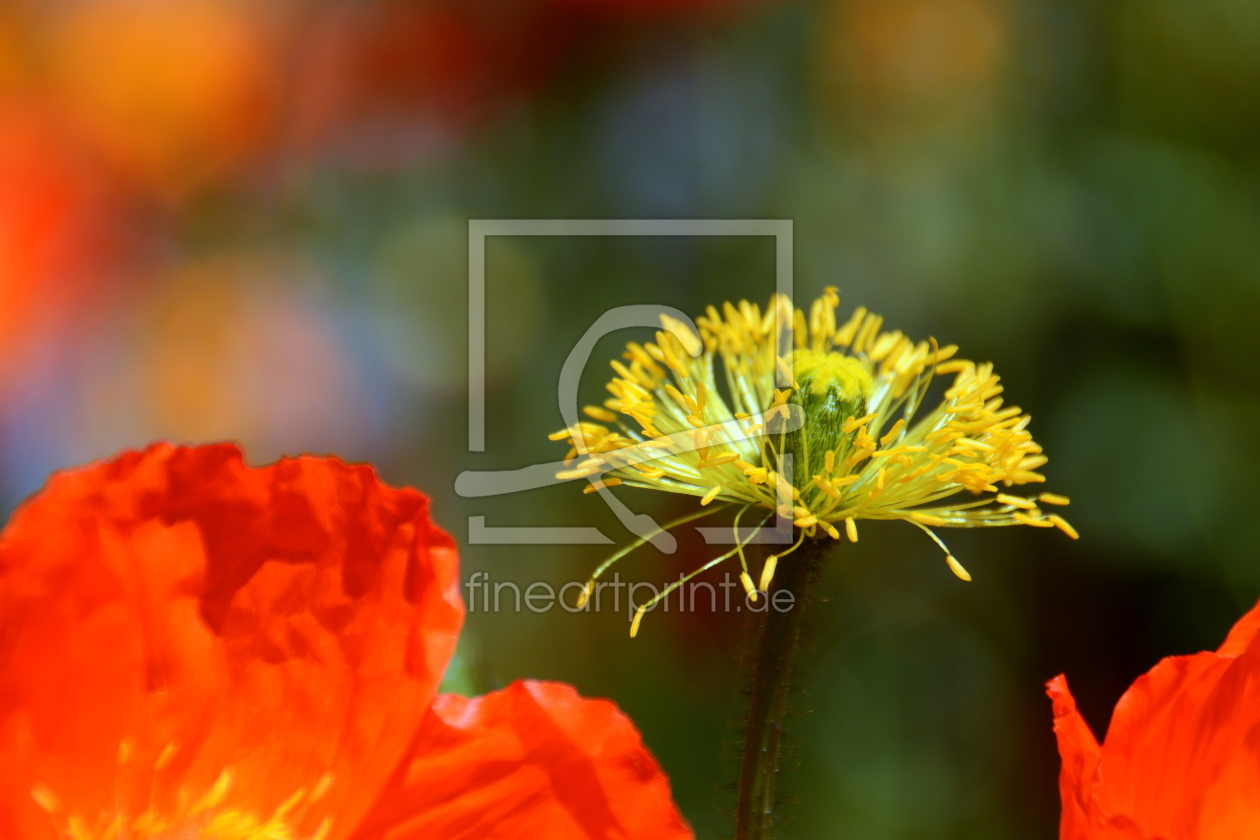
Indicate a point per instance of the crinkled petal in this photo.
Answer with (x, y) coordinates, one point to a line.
(533, 760)
(187, 639)
(1181, 760)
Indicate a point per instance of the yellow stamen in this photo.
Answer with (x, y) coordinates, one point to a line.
(601, 414)
(767, 572)
(1063, 525)
(893, 432)
(747, 581)
(957, 568)
(595, 487)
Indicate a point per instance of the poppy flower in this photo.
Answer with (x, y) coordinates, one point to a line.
(823, 432)
(190, 647)
(1181, 760)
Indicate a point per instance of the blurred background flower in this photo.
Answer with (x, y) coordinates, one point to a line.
(225, 219)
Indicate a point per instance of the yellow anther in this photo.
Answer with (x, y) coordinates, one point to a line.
(893, 432)
(595, 487)
(711, 495)
(850, 528)
(1063, 525)
(748, 586)
(1016, 501)
(638, 619)
(851, 425)
(954, 366)
(767, 572)
(826, 486)
(859, 456)
(601, 414)
(926, 518)
(1053, 499)
(957, 568)
(787, 372)
(680, 331)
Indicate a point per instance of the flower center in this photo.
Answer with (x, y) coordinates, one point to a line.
(832, 388)
(832, 376)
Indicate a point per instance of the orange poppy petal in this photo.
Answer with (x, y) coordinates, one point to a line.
(184, 639)
(1181, 759)
(533, 760)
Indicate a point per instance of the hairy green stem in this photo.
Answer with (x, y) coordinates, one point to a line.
(776, 639)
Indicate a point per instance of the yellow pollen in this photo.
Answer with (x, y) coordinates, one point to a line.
(638, 619)
(601, 484)
(841, 379)
(747, 581)
(830, 372)
(957, 568)
(767, 572)
(601, 414)
(853, 423)
(893, 432)
(1062, 525)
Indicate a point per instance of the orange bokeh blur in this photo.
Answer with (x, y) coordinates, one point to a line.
(907, 62)
(51, 234)
(174, 92)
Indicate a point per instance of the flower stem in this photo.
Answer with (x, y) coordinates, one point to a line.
(771, 682)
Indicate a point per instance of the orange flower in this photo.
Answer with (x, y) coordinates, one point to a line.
(193, 648)
(1181, 760)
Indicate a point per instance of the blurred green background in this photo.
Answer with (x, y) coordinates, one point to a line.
(229, 220)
